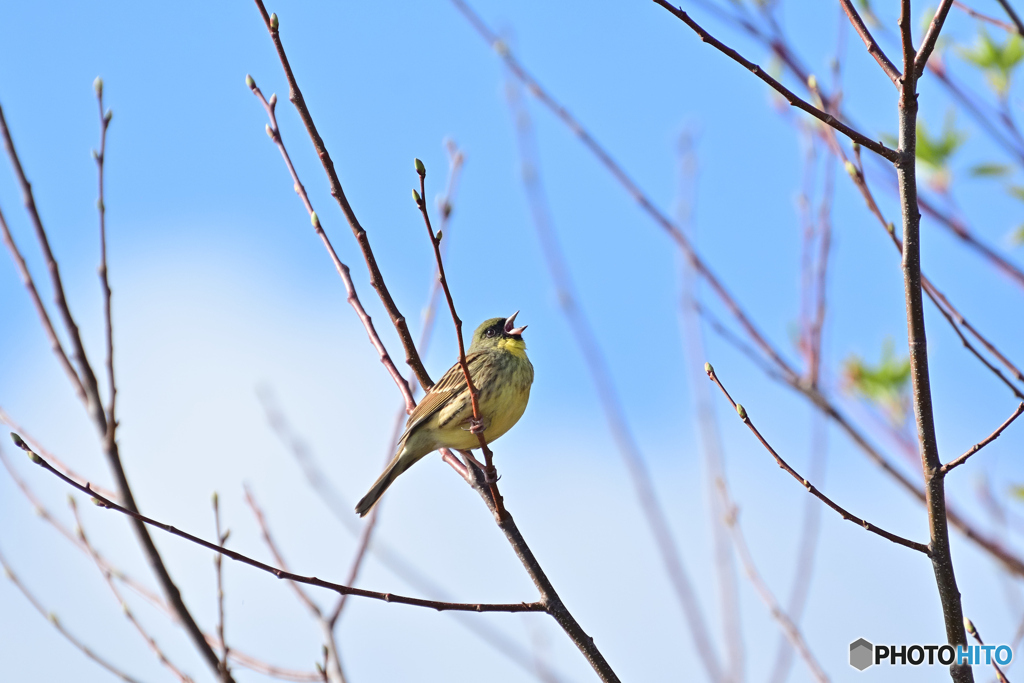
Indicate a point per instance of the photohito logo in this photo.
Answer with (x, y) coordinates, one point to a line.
(863, 654)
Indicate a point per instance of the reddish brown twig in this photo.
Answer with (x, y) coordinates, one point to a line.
(984, 442)
(218, 558)
(620, 175)
(597, 366)
(869, 42)
(984, 17)
(100, 157)
(279, 573)
(108, 577)
(848, 516)
(930, 37)
(969, 625)
(332, 664)
(376, 279)
(789, 628)
(474, 392)
(55, 621)
(94, 407)
(343, 270)
(44, 317)
(789, 95)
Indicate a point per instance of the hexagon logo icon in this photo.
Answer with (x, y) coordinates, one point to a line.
(861, 654)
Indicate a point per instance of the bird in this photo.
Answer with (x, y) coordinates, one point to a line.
(502, 375)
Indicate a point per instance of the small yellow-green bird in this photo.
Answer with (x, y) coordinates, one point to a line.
(502, 374)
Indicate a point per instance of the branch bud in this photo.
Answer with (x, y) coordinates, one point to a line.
(438, 238)
(249, 82)
(270, 131)
(97, 85)
(416, 197)
(215, 499)
(812, 82)
(891, 228)
(273, 100)
(741, 411)
(314, 219)
(420, 168)
(108, 116)
(275, 23)
(969, 625)
(708, 369)
(851, 169)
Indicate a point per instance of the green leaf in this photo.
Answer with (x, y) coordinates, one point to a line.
(996, 60)
(1016, 191)
(935, 151)
(986, 170)
(1017, 492)
(886, 384)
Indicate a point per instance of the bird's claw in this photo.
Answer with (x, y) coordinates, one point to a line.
(491, 475)
(476, 426)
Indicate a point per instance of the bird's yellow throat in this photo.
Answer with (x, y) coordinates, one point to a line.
(517, 347)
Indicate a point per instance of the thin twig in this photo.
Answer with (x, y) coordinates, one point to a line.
(620, 175)
(969, 625)
(789, 628)
(597, 366)
(222, 538)
(332, 664)
(376, 279)
(55, 621)
(108, 577)
(44, 317)
(474, 392)
(94, 407)
(930, 37)
(279, 573)
(789, 95)
(455, 160)
(101, 206)
(741, 411)
(343, 270)
(984, 442)
(869, 42)
(1013, 15)
(984, 17)
(388, 557)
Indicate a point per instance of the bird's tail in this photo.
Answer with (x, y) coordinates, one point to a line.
(394, 468)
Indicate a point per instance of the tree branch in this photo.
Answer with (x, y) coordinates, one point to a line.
(279, 573)
(869, 42)
(94, 407)
(848, 516)
(1013, 15)
(984, 442)
(791, 97)
(928, 43)
(376, 279)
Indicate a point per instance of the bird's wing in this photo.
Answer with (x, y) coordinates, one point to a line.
(449, 388)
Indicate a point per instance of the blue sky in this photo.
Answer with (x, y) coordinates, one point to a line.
(220, 286)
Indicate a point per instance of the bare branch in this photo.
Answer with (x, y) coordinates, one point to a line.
(791, 97)
(597, 366)
(94, 407)
(899, 540)
(44, 317)
(1013, 15)
(986, 18)
(279, 573)
(928, 43)
(376, 279)
(343, 270)
(100, 157)
(869, 42)
(969, 625)
(217, 565)
(984, 442)
(108, 577)
(53, 619)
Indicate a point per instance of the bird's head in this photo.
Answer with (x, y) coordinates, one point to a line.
(499, 333)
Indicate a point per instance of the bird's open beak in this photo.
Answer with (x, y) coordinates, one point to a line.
(510, 328)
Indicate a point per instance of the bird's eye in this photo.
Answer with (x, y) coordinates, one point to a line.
(490, 332)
